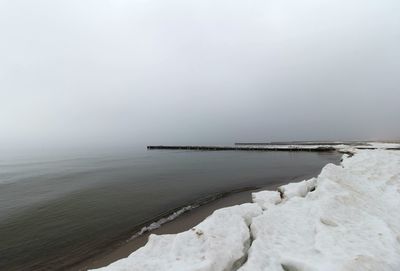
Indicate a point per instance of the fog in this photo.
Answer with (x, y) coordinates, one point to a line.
(198, 71)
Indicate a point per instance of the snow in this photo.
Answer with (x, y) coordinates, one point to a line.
(299, 189)
(350, 222)
(220, 242)
(347, 218)
(266, 199)
(380, 145)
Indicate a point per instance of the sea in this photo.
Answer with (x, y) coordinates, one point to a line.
(62, 208)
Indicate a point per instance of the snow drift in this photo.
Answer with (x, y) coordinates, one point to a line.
(347, 218)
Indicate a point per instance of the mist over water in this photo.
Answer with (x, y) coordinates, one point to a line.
(115, 73)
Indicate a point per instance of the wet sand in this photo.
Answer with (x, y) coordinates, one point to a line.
(180, 224)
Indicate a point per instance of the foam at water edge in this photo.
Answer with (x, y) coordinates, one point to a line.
(157, 224)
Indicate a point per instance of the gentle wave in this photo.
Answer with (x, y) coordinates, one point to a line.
(160, 222)
(157, 224)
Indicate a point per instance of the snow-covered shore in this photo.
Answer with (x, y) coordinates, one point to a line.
(347, 218)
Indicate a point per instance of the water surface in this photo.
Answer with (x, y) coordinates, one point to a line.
(55, 211)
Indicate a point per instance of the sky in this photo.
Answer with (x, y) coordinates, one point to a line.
(87, 72)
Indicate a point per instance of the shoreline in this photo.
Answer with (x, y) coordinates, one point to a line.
(345, 218)
(181, 223)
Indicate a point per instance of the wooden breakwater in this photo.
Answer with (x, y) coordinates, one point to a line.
(237, 148)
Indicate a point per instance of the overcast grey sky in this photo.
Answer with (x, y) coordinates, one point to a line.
(198, 71)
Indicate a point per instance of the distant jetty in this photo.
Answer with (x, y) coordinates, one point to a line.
(245, 148)
(309, 146)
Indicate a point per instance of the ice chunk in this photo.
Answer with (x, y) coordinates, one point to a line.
(299, 189)
(266, 199)
(218, 243)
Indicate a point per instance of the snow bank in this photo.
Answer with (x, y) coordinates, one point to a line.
(380, 145)
(266, 199)
(350, 222)
(345, 219)
(218, 243)
(299, 189)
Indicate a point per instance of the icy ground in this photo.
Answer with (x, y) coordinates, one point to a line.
(348, 218)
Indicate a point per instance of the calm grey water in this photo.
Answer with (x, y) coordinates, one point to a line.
(57, 210)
